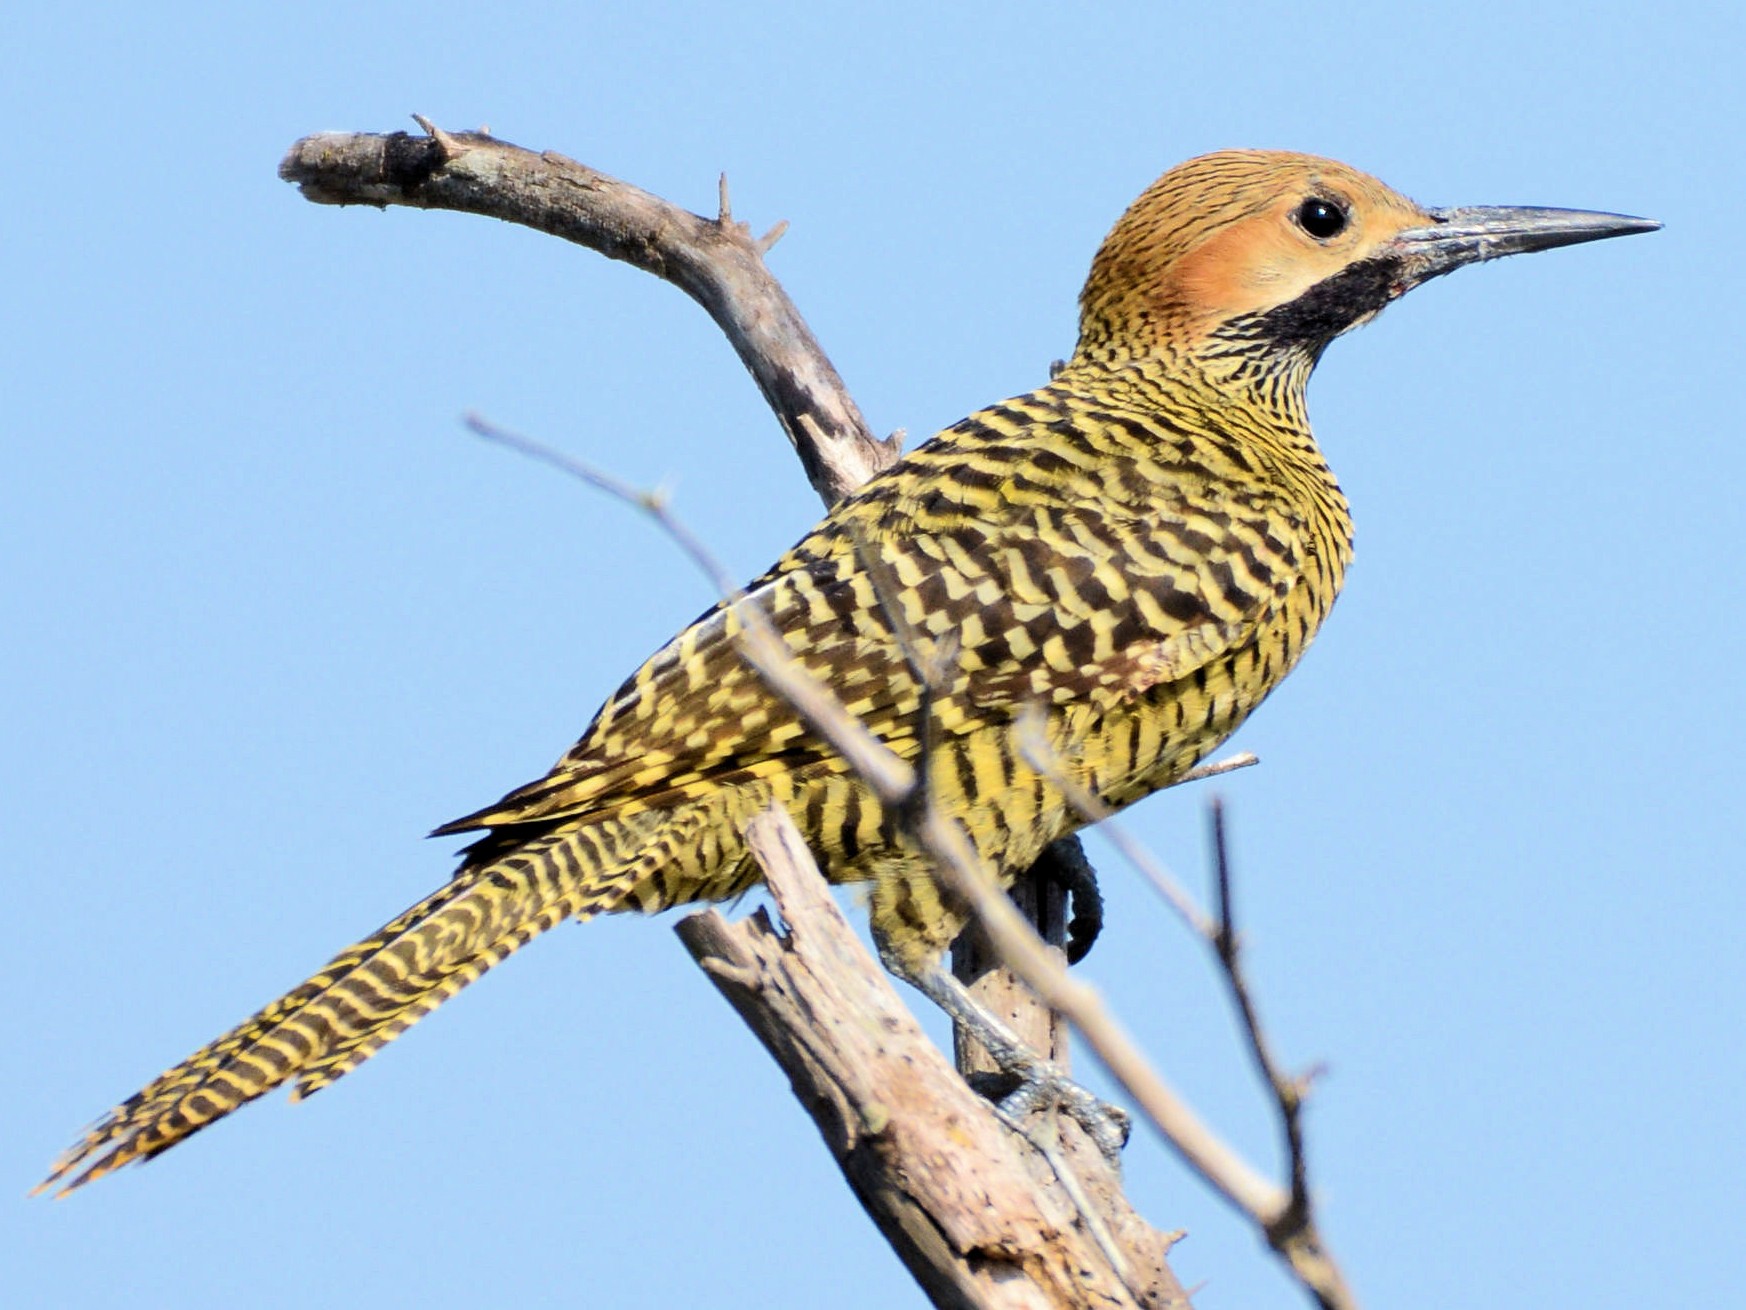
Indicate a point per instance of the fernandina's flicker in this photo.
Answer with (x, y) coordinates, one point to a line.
(1142, 548)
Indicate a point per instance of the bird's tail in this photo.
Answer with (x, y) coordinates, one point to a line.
(370, 993)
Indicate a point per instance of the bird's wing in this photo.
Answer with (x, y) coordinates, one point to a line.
(1039, 607)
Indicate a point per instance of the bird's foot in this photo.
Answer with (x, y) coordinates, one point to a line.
(1045, 1085)
(1034, 1083)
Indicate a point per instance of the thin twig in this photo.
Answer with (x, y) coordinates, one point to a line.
(1290, 1227)
(1230, 764)
(1293, 1232)
(1287, 1090)
(890, 777)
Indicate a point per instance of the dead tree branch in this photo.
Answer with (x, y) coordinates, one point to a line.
(976, 1215)
(1293, 1231)
(715, 261)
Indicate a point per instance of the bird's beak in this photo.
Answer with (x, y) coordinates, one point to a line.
(1467, 236)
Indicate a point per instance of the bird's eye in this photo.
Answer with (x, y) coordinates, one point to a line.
(1321, 218)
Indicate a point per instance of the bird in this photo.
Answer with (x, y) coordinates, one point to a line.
(1130, 558)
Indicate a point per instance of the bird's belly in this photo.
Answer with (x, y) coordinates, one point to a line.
(1010, 799)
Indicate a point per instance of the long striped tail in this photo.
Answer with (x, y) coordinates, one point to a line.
(370, 993)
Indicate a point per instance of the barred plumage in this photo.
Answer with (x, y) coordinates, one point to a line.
(1143, 547)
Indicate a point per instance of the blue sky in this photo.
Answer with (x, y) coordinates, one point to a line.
(269, 614)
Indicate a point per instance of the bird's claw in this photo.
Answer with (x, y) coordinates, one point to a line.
(1040, 1083)
(1046, 1085)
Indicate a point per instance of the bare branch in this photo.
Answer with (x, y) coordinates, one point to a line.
(978, 1218)
(1289, 1225)
(714, 261)
(1293, 1231)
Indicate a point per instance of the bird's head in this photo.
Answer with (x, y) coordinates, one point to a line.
(1277, 253)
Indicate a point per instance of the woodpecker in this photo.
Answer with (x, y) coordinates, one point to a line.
(1129, 558)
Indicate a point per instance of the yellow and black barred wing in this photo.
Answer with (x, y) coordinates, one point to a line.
(1059, 604)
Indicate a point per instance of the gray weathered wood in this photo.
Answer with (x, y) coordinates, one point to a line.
(978, 1216)
(715, 261)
